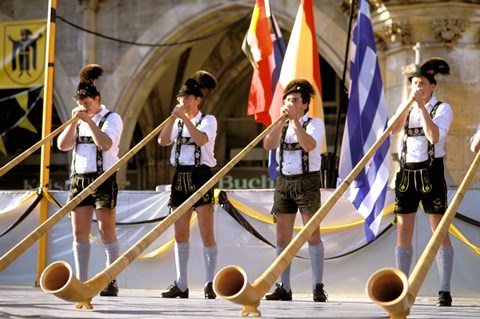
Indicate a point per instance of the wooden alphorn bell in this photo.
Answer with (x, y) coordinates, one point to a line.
(58, 277)
(390, 288)
(231, 282)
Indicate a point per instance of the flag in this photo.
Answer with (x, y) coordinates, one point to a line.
(22, 53)
(366, 121)
(301, 61)
(264, 47)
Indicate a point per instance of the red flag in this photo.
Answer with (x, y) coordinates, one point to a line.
(263, 45)
(301, 61)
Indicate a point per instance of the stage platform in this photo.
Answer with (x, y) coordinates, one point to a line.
(350, 261)
(27, 302)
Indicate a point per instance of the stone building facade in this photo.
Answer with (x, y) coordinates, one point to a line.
(154, 45)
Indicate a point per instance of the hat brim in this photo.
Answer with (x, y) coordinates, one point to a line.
(417, 74)
(292, 90)
(197, 94)
(414, 75)
(189, 92)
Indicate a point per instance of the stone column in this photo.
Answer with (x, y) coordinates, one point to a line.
(89, 9)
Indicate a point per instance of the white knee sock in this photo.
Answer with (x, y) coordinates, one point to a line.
(317, 254)
(445, 267)
(112, 251)
(81, 255)
(285, 275)
(403, 259)
(210, 259)
(182, 252)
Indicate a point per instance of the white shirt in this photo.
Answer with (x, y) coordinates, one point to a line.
(208, 125)
(417, 146)
(85, 155)
(292, 160)
(476, 133)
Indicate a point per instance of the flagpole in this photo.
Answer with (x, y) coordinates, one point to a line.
(46, 129)
(342, 83)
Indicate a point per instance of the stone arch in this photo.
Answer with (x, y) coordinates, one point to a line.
(142, 68)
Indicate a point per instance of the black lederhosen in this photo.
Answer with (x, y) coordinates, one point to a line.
(105, 196)
(186, 181)
(418, 182)
(297, 192)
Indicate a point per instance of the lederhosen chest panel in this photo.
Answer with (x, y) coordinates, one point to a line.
(417, 131)
(293, 147)
(181, 140)
(89, 140)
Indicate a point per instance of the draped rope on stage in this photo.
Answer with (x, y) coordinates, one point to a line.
(24, 214)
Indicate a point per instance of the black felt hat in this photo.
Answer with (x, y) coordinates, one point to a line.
(190, 87)
(86, 87)
(199, 84)
(430, 68)
(299, 85)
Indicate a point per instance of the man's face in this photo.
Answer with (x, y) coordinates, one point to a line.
(294, 100)
(91, 105)
(190, 101)
(424, 85)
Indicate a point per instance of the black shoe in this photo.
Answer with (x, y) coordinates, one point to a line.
(208, 290)
(319, 295)
(444, 299)
(174, 292)
(111, 290)
(280, 294)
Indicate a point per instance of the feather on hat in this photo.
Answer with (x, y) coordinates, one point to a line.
(87, 76)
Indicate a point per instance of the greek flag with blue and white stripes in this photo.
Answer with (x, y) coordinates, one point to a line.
(366, 121)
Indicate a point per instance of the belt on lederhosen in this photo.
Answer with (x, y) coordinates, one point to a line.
(87, 175)
(91, 175)
(299, 175)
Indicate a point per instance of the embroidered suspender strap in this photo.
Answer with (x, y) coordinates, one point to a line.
(89, 140)
(294, 147)
(181, 140)
(431, 147)
(417, 131)
(99, 151)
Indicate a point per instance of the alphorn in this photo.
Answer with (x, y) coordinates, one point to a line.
(390, 288)
(28, 241)
(33, 148)
(58, 277)
(231, 282)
